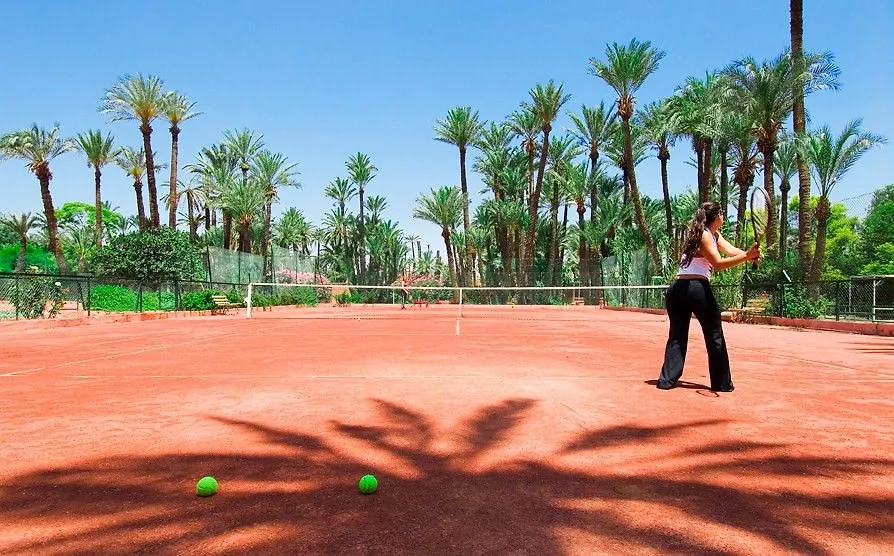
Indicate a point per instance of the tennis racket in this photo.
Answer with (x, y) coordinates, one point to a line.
(759, 206)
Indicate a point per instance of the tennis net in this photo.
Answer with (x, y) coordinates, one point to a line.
(357, 301)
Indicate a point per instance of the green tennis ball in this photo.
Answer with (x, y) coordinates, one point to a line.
(207, 486)
(368, 484)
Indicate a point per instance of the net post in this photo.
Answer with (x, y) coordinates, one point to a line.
(459, 309)
(248, 302)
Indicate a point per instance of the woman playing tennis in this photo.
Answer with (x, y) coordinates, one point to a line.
(690, 293)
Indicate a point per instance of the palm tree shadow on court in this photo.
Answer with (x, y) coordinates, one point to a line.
(299, 494)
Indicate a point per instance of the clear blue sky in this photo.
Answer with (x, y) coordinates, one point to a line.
(324, 80)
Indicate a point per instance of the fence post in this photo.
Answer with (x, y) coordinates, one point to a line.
(176, 294)
(838, 300)
(89, 298)
(17, 296)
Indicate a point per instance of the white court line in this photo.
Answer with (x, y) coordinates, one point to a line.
(134, 352)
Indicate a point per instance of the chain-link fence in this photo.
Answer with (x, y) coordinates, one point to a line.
(28, 296)
(236, 267)
(31, 296)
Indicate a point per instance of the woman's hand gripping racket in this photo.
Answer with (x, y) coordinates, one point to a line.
(759, 206)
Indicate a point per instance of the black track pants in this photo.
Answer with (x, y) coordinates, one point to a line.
(684, 298)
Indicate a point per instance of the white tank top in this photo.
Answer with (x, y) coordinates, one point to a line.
(698, 265)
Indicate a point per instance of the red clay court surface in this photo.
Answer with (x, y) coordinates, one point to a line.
(534, 432)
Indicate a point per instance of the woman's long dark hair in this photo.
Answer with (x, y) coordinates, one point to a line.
(704, 217)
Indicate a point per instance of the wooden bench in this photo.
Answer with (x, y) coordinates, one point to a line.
(755, 306)
(222, 304)
(576, 300)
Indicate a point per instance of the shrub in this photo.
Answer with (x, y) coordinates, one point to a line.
(113, 298)
(197, 301)
(150, 256)
(38, 297)
(799, 304)
(298, 296)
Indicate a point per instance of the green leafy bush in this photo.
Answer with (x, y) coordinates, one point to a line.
(119, 299)
(150, 256)
(38, 297)
(197, 301)
(300, 295)
(799, 304)
(113, 298)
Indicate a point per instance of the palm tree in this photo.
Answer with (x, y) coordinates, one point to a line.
(212, 161)
(240, 147)
(562, 151)
(830, 158)
(245, 200)
(20, 225)
(361, 171)
(99, 151)
(799, 127)
(785, 167)
(443, 207)
(547, 101)
(292, 230)
(658, 132)
(139, 98)
(765, 91)
(526, 124)
(176, 108)
(272, 171)
(625, 71)
(341, 191)
(133, 162)
(194, 192)
(461, 128)
(38, 147)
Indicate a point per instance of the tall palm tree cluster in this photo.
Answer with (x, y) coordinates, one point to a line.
(557, 201)
(732, 118)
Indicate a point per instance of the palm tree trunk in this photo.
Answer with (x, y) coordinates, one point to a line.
(700, 162)
(43, 176)
(533, 206)
(558, 281)
(637, 201)
(708, 145)
(594, 199)
(172, 194)
(146, 130)
(724, 181)
(244, 238)
(784, 187)
(23, 253)
(141, 208)
(744, 186)
(97, 179)
(553, 235)
(822, 221)
(445, 233)
(799, 124)
(767, 152)
(664, 156)
(583, 267)
(227, 227)
(361, 247)
(465, 191)
(265, 240)
(193, 224)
